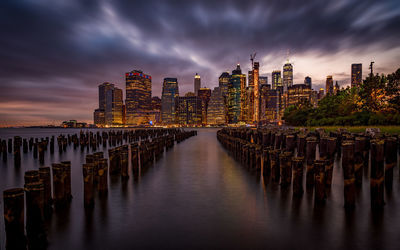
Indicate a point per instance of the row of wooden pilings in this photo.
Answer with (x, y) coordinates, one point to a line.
(284, 155)
(83, 140)
(48, 187)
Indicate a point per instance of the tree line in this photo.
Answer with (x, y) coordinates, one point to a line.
(375, 102)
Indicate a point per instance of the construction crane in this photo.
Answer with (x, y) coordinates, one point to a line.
(252, 57)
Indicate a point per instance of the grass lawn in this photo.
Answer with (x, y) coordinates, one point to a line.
(357, 129)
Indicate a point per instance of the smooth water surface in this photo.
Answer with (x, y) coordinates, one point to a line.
(198, 196)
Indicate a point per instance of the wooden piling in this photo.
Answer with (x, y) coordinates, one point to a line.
(34, 215)
(311, 144)
(297, 168)
(14, 218)
(58, 184)
(67, 180)
(320, 190)
(390, 160)
(285, 162)
(88, 192)
(348, 173)
(45, 178)
(377, 173)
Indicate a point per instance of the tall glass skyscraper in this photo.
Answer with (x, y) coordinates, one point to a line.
(138, 97)
(276, 79)
(216, 108)
(197, 83)
(308, 82)
(170, 92)
(329, 85)
(235, 95)
(287, 76)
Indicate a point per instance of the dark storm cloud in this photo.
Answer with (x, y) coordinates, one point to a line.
(57, 52)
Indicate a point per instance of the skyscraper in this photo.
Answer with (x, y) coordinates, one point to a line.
(204, 94)
(234, 95)
(307, 81)
(276, 79)
(138, 97)
(114, 103)
(103, 88)
(188, 110)
(216, 108)
(256, 117)
(287, 76)
(170, 92)
(223, 81)
(197, 83)
(263, 80)
(329, 85)
(356, 74)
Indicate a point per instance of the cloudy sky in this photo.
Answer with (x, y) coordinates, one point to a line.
(54, 53)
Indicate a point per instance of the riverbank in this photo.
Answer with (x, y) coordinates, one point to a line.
(358, 129)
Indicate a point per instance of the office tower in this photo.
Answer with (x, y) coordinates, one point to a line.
(223, 81)
(356, 74)
(276, 79)
(170, 92)
(204, 94)
(256, 117)
(250, 78)
(263, 80)
(329, 85)
(264, 88)
(247, 114)
(235, 95)
(297, 93)
(123, 114)
(307, 81)
(98, 117)
(273, 109)
(188, 110)
(99, 114)
(287, 76)
(138, 97)
(197, 83)
(155, 103)
(113, 111)
(216, 108)
(103, 88)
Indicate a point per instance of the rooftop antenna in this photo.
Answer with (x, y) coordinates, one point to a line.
(371, 68)
(252, 57)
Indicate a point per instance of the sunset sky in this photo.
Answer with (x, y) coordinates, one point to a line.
(54, 53)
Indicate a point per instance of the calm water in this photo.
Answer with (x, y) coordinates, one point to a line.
(197, 196)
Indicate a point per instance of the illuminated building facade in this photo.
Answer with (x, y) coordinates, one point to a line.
(223, 81)
(256, 117)
(356, 75)
(276, 79)
(170, 92)
(98, 117)
(308, 81)
(216, 108)
(114, 103)
(273, 109)
(329, 85)
(138, 97)
(197, 83)
(188, 110)
(204, 94)
(263, 80)
(297, 93)
(235, 95)
(336, 88)
(287, 76)
(99, 114)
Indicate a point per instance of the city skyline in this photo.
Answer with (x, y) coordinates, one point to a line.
(50, 69)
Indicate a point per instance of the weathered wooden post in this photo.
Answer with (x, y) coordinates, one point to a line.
(45, 178)
(35, 150)
(17, 155)
(290, 143)
(266, 163)
(88, 186)
(58, 184)
(25, 146)
(390, 160)
(320, 192)
(31, 176)
(102, 173)
(330, 156)
(10, 145)
(67, 180)
(377, 173)
(14, 218)
(311, 144)
(301, 145)
(4, 150)
(297, 167)
(358, 159)
(274, 162)
(124, 163)
(41, 153)
(348, 173)
(34, 215)
(285, 162)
